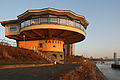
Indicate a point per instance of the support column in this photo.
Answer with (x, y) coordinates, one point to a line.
(73, 49)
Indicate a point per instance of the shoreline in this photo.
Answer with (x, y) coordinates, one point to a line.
(86, 71)
(101, 74)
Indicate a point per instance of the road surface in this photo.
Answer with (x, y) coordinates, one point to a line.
(36, 73)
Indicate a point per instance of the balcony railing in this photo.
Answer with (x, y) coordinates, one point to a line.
(52, 20)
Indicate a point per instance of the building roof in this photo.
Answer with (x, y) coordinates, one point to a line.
(8, 22)
(69, 13)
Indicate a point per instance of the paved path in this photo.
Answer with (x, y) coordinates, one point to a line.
(36, 73)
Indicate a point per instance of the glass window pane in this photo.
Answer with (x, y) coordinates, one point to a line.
(82, 28)
(52, 20)
(77, 21)
(78, 25)
(71, 23)
(27, 23)
(22, 24)
(43, 20)
(40, 45)
(35, 21)
(13, 28)
(63, 21)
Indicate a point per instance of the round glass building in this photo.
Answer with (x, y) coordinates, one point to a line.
(47, 30)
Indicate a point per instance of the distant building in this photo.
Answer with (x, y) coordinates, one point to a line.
(51, 31)
(115, 58)
(69, 50)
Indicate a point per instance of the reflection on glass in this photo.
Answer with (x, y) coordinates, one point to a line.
(52, 20)
(22, 24)
(78, 25)
(35, 21)
(63, 21)
(71, 23)
(27, 23)
(43, 20)
(82, 28)
(13, 28)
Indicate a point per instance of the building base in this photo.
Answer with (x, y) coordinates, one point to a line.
(56, 56)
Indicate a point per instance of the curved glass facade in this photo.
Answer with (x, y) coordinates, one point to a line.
(52, 20)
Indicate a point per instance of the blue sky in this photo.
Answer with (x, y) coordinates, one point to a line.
(104, 16)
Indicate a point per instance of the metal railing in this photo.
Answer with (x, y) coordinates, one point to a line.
(44, 56)
(47, 58)
(52, 20)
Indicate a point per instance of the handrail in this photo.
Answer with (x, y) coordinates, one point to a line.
(44, 56)
(47, 58)
(52, 20)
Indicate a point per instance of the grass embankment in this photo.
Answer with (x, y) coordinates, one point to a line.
(86, 71)
(15, 56)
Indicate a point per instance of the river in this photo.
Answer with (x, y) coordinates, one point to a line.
(110, 73)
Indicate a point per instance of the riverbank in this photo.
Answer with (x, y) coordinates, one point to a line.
(110, 73)
(86, 71)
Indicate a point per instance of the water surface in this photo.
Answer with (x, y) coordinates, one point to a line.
(110, 73)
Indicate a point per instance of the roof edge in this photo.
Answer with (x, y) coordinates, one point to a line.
(7, 22)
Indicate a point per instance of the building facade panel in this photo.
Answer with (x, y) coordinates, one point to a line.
(12, 29)
(43, 45)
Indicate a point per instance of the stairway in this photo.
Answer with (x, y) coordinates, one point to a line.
(44, 56)
(49, 59)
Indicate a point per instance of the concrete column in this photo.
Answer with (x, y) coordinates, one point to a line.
(65, 50)
(73, 49)
(70, 49)
(17, 43)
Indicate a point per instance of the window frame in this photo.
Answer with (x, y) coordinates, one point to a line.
(9, 29)
(41, 45)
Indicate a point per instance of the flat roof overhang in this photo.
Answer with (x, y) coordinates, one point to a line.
(68, 34)
(8, 22)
